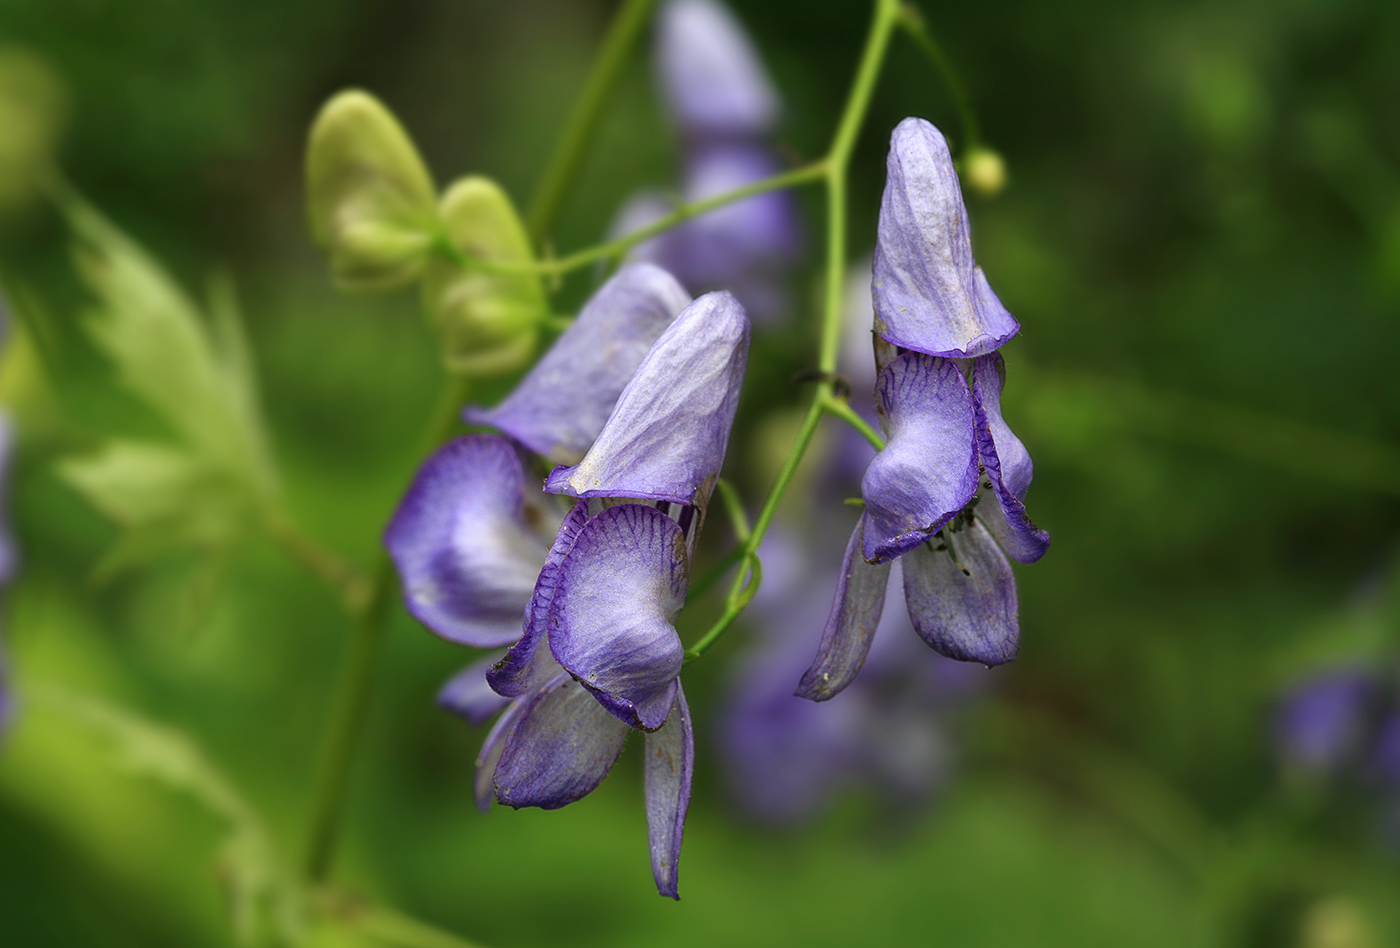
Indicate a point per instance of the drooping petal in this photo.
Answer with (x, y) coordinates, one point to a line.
(669, 768)
(971, 617)
(466, 556)
(529, 662)
(468, 695)
(711, 75)
(619, 591)
(927, 471)
(929, 294)
(1008, 467)
(484, 781)
(561, 747)
(855, 614)
(666, 438)
(560, 406)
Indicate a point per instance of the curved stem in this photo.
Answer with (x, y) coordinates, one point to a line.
(912, 21)
(356, 684)
(843, 410)
(563, 164)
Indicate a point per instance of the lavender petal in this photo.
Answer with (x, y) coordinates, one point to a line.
(714, 83)
(1008, 466)
(670, 764)
(855, 614)
(971, 617)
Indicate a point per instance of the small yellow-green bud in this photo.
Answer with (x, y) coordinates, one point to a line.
(372, 203)
(488, 321)
(984, 171)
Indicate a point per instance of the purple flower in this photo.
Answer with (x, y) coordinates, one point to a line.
(714, 84)
(600, 655)
(787, 758)
(1320, 723)
(930, 296)
(470, 536)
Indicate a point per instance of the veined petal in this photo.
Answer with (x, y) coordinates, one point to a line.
(466, 556)
(927, 471)
(855, 614)
(484, 781)
(710, 72)
(1008, 466)
(468, 695)
(619, 591)
(529, 662)
(560, 406)
(669, 768)
(560, 748)
(666, 438)
(971, 617)
(929, 295)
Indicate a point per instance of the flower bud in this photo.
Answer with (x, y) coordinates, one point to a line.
(984, 171)
(371, 201)
(488, 321)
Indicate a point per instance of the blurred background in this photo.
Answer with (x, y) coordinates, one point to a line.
(1200, 234)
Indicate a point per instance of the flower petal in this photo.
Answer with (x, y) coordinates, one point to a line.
(466, 556)
(484, 781)
(860, 598)
(971, 617)
(669, 768)
(560, 749)
(714, 82)
(529, 662)
(619, 591)
(560, 406)
(927, 471)
(929, 295)
(1008, 466)
(666, 438)
(468, 695)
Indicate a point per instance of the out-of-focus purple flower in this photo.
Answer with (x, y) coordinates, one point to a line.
(1385, 757)
(714, 83)
(470, 536)
(1321, 722)
(930, 295)
(788, 757)
(600, 654)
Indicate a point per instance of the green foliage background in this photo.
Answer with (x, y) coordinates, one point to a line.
(1201, 238)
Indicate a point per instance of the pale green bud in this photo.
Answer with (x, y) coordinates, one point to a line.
(372, 202)
(984, 171)
(489, 321)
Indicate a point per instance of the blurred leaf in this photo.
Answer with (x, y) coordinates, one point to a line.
(262, 898)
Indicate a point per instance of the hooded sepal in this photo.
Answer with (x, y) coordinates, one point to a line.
(970, 616)
(610, 624)
(929, 294)
(670, 765)
(850, 628)
(927, 471)
(667, 436)
(466, 556)
(1007, 464)
(558, 408)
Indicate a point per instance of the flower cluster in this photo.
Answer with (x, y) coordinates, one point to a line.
(937, 329)
(597, 654)
(724, 107)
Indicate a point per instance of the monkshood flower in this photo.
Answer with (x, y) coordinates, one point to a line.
(471, 534)
(788, 758)
(930, 296)
(600, 655)
(1320, 723)
(714, 83)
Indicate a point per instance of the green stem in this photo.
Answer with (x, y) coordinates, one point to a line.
(842, 409)
(356, 683)
(912, 21)
(320, 562)
(616, 248)
(626, 27)
(835, 165)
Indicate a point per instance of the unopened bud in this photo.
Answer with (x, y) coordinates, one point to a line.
(488, 321)
(984, 171)
(371, 200)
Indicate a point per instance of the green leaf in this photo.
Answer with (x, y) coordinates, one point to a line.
(371, 200)
(489, 321)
